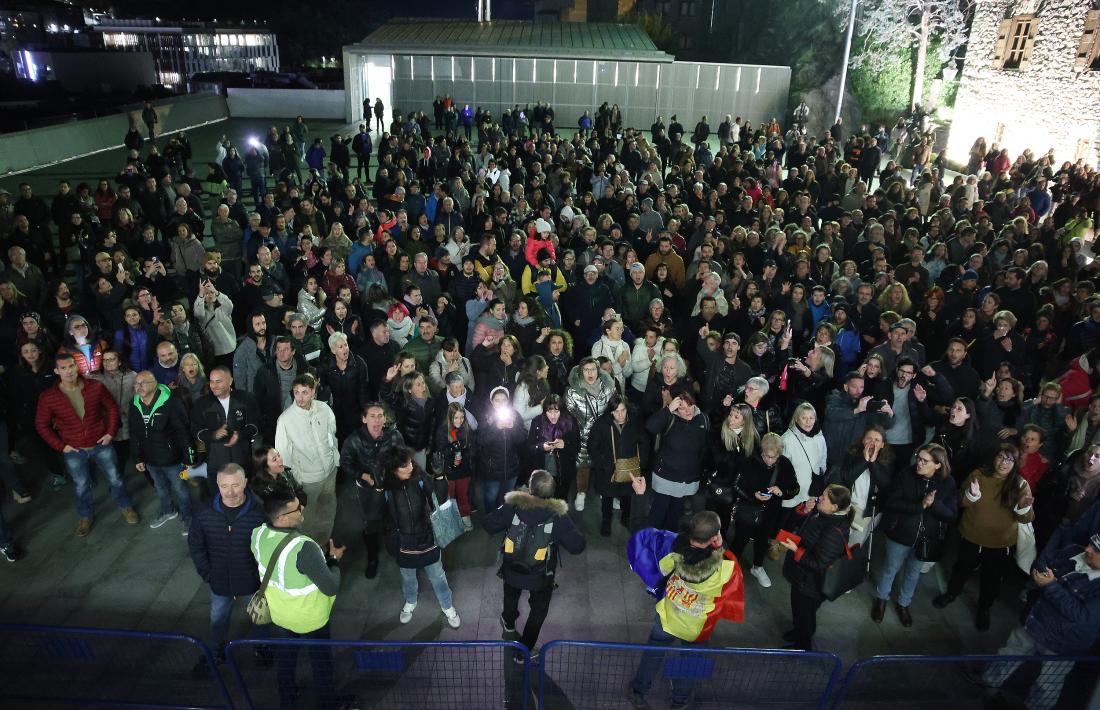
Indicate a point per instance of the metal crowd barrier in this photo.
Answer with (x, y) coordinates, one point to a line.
(381, 675)
(964, 682)
(65, 667)
(579, 674)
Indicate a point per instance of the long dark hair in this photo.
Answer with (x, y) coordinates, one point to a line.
(1010, 491)
(841, 497)
(565, 421)
(537, 387)
(885, 455)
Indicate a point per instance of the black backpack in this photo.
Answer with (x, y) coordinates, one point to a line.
(528, 548)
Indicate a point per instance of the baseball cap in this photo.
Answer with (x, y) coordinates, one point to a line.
(637, 266)
(270, 291)
(969, 274)
(591, 268)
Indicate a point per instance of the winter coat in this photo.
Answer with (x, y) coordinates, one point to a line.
(247, 361)
(824, 539)
(437, 372)
(491, 372)
(307, 440)
(408, 505)
(807, 453)
(565, 460)
(59, 426)
(630, 440)
(533, 512)
(1066, 616)
(499, 450)
(613, 350)
(842, 426)
(414, 421)
(121, 386)
(754, 476)
(586, 406)
(220, 543)
(207, 416)
(160, 432)
(349, 390)
(360, 455)
(903, 506)
(216, 324)
(446, 448)
(680, 446)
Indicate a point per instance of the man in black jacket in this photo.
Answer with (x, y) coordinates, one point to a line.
(225, 422)
(220, 542)
(543, 517)
(359, 458)
(162, 445)
(344, 374)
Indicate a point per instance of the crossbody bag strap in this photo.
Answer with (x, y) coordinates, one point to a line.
(275, 558)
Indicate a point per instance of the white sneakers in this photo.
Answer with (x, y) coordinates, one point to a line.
(761, 576)
(452, 617)
(578, 505)
(407, 613)
(162, 519)
(467, 524)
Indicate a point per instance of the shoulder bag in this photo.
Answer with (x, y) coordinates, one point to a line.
(446, 522)
(930, 543)
(258, 610)
(847, 572)
(624, 470)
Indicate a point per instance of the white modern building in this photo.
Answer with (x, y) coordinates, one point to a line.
(183, 50)
(573, 66)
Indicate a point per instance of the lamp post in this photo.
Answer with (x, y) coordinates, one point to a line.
(847, 54)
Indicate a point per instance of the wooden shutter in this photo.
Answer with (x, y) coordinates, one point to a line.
(1029, 41)
(1002, 42)
(1086, 47)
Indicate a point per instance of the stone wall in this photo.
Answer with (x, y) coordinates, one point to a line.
(1046, 105)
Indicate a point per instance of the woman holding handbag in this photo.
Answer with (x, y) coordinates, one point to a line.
(919, 506)
(409, 493)
(731, 444)
(553, 444)
(804, 445)
(995, 500)
(822, 540)
(618, 447)
(453, 450)
(762, 483)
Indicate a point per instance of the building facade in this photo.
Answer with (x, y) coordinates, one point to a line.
(573, 66)
(1031, 80)
(183, 50)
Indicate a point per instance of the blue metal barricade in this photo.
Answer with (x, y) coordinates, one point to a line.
(964, 682)
(579, 674)
(381, 675)
(61, 666)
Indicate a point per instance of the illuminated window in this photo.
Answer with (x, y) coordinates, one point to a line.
(1015, 40)
(1088, 48)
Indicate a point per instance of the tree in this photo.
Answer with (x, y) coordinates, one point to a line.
(657, 27)
(888, 25)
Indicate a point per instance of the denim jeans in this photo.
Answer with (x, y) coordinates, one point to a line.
(7, 466)
(651, 662)
(5, 534)
(166, 481)
(221, 608)
(78, 464)
(1046, 689)
(411, 588)
(899, 558)
(320, 661)
(493, 493)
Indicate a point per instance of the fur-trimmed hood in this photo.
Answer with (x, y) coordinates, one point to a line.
(523, 501)
(605, 382)
(696, 572)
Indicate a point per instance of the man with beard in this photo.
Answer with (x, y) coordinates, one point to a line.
(379, 353)
(252, 354)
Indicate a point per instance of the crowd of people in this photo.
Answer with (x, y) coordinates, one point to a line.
(657, 323)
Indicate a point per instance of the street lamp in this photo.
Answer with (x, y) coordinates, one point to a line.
(847, 53)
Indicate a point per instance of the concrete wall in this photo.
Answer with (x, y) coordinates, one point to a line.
(641, 89)
(287, 103)
(1046, 105)
(27, 150)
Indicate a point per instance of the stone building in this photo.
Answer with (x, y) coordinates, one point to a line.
(1031, 79)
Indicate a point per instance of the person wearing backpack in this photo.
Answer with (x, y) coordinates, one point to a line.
(536, 523)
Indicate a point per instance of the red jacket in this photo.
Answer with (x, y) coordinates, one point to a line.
(58, 425)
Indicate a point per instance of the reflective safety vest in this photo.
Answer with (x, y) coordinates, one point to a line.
(295, 602)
